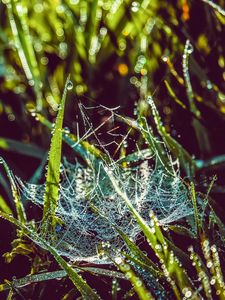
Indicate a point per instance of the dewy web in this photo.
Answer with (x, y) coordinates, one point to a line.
(89, 205)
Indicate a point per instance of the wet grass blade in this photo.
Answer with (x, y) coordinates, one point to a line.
(53, 169)
(155, 146)
(182, 231)
(200, 132)
(138, 254)
(158, 243)
(4, 206)
(5, 186)
(91, 24)
(18, 203)
(215, 6)
(29, 279)
(140, 289)
(173, 95)
(198, 227)
(85, 290)
(186, 161)
(18, 21)
(21, 148)
(136, 156)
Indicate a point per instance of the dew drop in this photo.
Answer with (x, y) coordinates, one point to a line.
(66, 130)
(61, 168)
(69, 85)
(188, 294)
(118, 260)
(128, 275)
(190, 48)
(31, 107)
(11, 117)
(165, 58)
(209, 85)
(31, 82)
(58, 228)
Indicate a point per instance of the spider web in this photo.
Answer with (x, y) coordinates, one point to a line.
(99, 126)
(89, 206)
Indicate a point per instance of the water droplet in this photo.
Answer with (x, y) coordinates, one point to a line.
(188, 294)
(189, 48)
(126, 267)
(209, 85)
(74, 2)
(138, 283)
(209, 264)
(165, 58)
(58, 228)
(31, 82)
(128, 275)
(118, 260)
(11, 117)
(69, 85)
(31, 107)
(66, 130)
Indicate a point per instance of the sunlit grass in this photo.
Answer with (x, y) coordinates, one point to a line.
(138, 69)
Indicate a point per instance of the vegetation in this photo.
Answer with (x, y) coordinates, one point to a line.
(112, 152)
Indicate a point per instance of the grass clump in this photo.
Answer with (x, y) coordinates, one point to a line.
(126, 193)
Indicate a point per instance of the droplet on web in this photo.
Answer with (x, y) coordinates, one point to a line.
(69, 85)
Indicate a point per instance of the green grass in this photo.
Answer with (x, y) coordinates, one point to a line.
(169, 266)
(139, 56)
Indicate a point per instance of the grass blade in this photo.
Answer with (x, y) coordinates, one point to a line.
(156, 147)
(138, 254)
(187, 163)
(29, 279)
(173, 95)
(158, 243)
(91, 26)
(21, 148)
(18, 203)
(4, 206)
(85, 290)
(140, 289)
(53, 169)
(198, 226)
(18, 22)
(200, 132)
